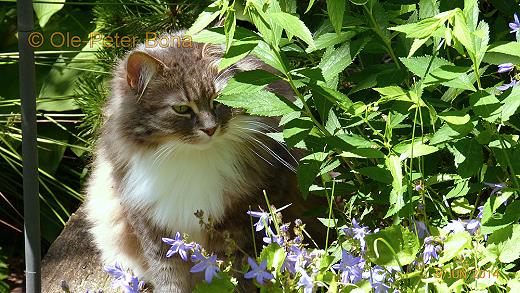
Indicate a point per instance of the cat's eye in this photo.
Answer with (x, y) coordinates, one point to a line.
(181, 109)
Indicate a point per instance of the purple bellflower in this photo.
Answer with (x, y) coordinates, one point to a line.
(123, 279)
(178, 246)
(295, 259)
(377, 277)
(264, 219)
(271, 237)
(515, 26)
(472, 226)
(208, 265)
(351, 268)
(497, 187)
(258, 271)
(358, 232)
(505, 67)
(480, 212)
(305, 281)
(420, 227)
(430, 250)
(285, 227)
(506, 86)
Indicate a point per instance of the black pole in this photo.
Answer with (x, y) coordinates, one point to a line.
(29, 148)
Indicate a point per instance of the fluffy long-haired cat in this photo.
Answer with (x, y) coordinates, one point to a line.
(168, 149)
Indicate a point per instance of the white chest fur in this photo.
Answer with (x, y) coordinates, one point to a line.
(172, 187)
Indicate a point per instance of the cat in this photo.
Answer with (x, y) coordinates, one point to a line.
(167, 149)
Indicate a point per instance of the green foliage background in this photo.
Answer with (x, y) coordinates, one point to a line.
(396, 104)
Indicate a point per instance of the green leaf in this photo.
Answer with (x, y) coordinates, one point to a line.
(360, 153)
(266, 54)
(311, 2)
(450, 76)
(454, 117)
(355, 140)
(207, 16)
(393, 163)
(418, 149)
(334, 96)
(248, 82)
(220, 284)
(217, 35)
(336, 9)
(486, 105)
(293, 25)
(439, 178)
(471, 12)
(451, 132)
(474, 39)
(229, 28)
(261, 103)
(454, 245)
(468, 156)
(44, 11)
(403, 243)
(297, 130)
(428, 8)
(335, 61)
(331, 39)
(57, 91)
(460, 190)
(419, 65)
(419, 30)
(274, 7)
(313, 73)
(511, 104)
(262, 21)
(377, 173)
(461, 206)
(467, 79)
(330, 223)
(359, 2)
(510, 48)
(462, 33)
(391, 91)
(308, 170)
(507, 240)
(275, 256)
(237, 52)
(493, 220)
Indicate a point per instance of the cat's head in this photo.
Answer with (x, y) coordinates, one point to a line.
(168, 94)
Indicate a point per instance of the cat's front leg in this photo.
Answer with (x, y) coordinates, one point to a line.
(166, 275)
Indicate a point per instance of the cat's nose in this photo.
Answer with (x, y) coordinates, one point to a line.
(210, 130)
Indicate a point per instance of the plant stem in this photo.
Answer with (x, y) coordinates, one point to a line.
(386, 40)
(330, 214)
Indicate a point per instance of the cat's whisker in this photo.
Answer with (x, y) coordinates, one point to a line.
(279, 143)
(260, 156)
(158, 153)
(258, 123)
(268, 150)
(165, 152)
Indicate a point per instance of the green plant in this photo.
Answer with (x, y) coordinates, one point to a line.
(404, 117)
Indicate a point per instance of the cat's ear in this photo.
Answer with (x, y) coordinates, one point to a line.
(140, 68)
